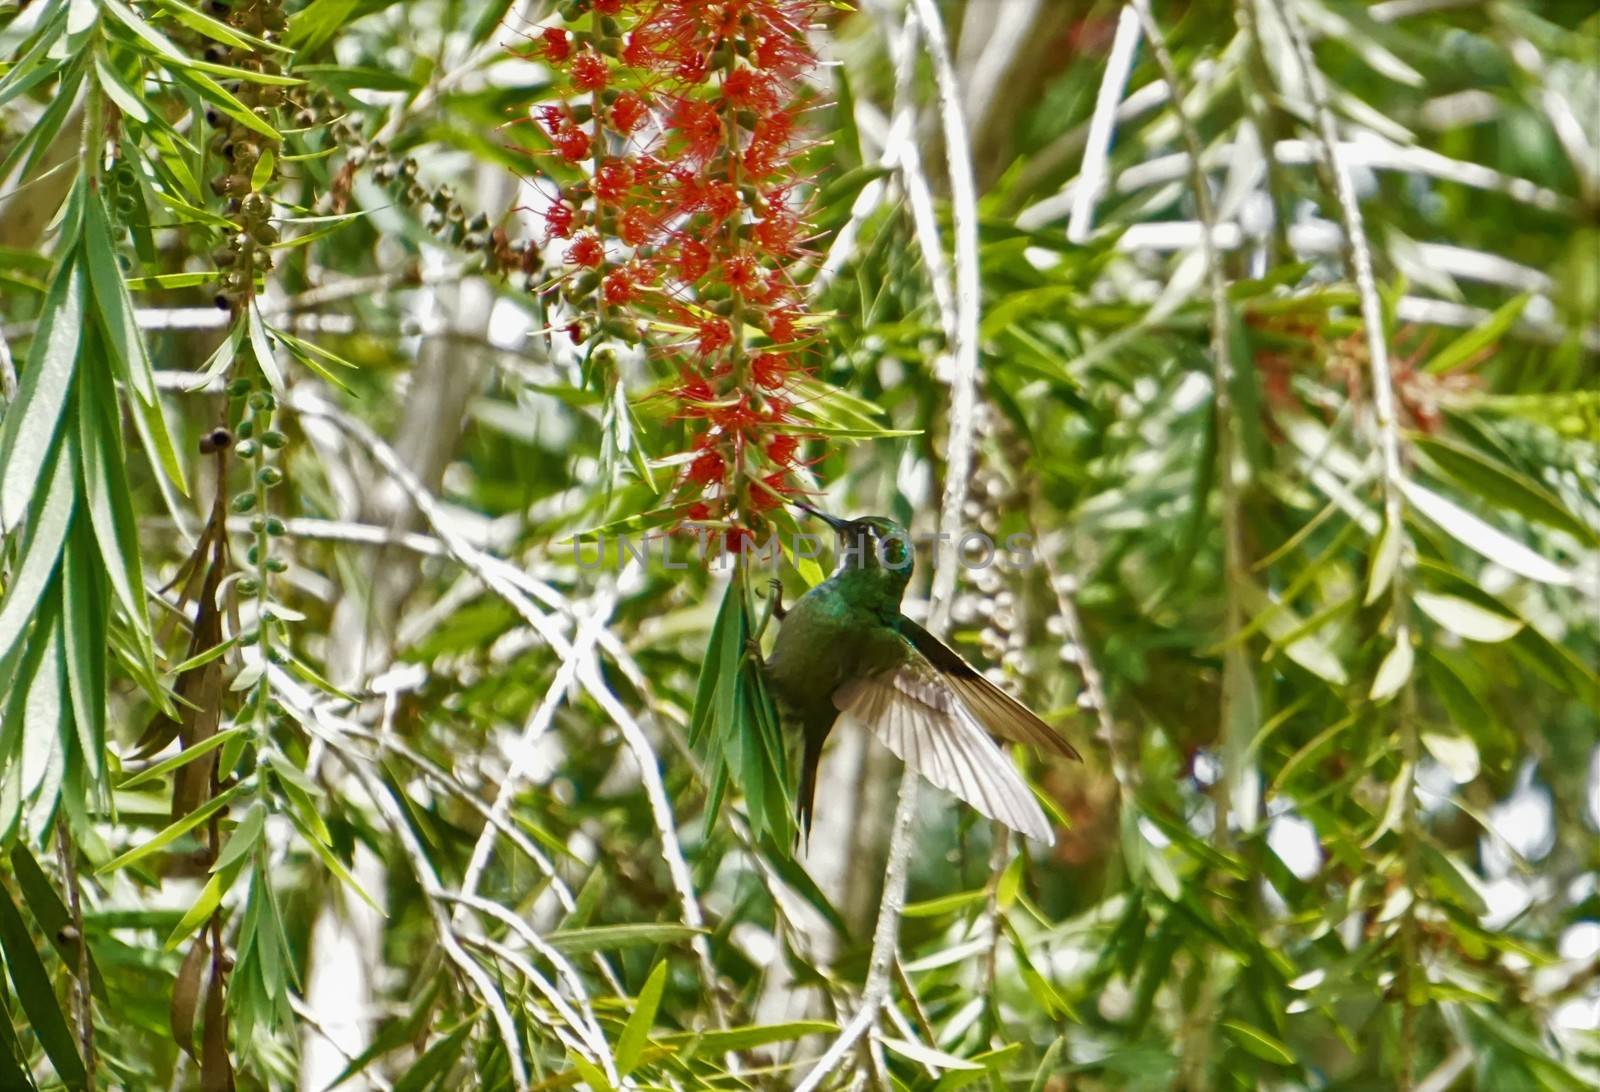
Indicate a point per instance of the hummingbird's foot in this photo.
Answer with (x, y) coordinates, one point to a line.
(752, 650)
(775, 590)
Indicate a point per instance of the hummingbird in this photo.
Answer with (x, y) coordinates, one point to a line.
(846, 649)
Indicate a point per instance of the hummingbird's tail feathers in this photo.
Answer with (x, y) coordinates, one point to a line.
(998, 712)
(917, 716)
(808, 788)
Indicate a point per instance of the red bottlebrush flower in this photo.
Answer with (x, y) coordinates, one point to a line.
(776, 486)
(768, 369)
(776, 232)
(636, 52)
(589, 72)
(557, 47)
(628, 112)
(707, 467)
(608, 7)
(586, 250)
(695, 388)
(780, 326)
(573, 144)
(783, 449)
(553, 118)
(612, 180)
(700, 126)
(573, 330)
(734, 539)
(777, 409)
(743, 275)
(693, 260)
(618, 287)
(782, 55)
(720, 200)
(698, 511)
(558, 220)
(692, 68)
(715, 334)
(636, 227)
(747, 89)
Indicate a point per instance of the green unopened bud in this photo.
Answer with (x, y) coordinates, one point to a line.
(246, 450)
(269, 476)
(275, 526)
(243, 503)
(273, 439)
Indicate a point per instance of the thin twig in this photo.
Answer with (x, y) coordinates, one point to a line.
(83, 996)
(1097, 152)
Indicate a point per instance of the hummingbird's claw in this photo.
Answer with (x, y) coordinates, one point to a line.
(775, 590)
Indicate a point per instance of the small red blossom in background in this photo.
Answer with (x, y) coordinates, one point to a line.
(678, 126)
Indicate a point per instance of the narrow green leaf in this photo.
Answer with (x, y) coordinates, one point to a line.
(1395, 668)
(1467, 619)
(1464, 348)
(436, 1061)
(37, 996)
(1476, 534)
(261, 346)
(636, 1032)
(1266, 1047)
(126, 99)
(175, 830)
(606, 937)
(42, 554)
(34, 416)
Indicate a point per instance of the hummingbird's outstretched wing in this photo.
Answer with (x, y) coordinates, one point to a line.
(994, 709)
(916, 714)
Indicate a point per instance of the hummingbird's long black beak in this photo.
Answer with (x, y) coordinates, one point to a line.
(832, 521)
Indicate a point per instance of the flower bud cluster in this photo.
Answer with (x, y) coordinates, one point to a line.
(247, 160)
(680, 218)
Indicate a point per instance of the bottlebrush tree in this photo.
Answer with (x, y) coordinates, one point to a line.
(676, 151)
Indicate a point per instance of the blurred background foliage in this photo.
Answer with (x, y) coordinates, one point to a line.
(1329, 641)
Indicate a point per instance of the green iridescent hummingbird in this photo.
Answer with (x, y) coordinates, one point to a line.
(845, 649)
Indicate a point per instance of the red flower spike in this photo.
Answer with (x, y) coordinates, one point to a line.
(698, 511)
(608, 7)
(776, 233)
(780, 326)
(557, 47)
(693, 68)
(573, 144)
(766, 499)
(636, 52)
(707, 467)
(714, 334)
(618, 287)
(720, 200)
(589, 72)
(628, 112)
(586, 250)
(612, 180)
(558, 220)
(768, 369)
(747, 89)
(693, 260)
(636, 227)
(783, 449)
(743, 275)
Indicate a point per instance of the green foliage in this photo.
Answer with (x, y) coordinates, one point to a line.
(1337, 824)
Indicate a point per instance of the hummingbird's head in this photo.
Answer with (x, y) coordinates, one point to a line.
(870, 542)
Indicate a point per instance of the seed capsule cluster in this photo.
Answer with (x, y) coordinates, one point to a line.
(247, 160)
